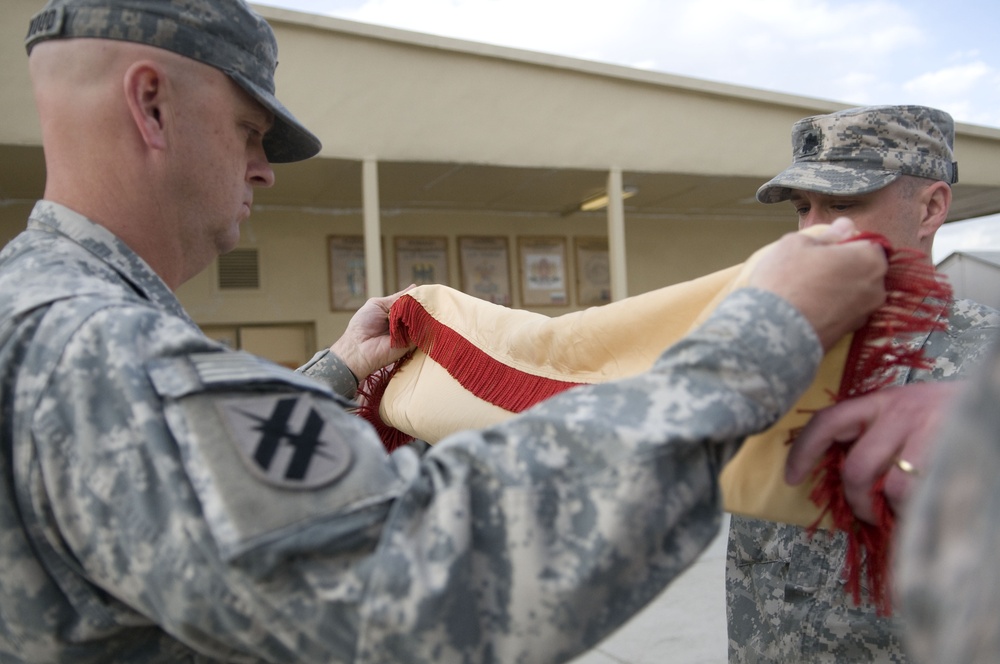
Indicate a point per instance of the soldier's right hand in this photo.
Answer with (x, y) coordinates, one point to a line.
(836, 285)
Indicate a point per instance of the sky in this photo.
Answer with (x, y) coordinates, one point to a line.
(945, 55)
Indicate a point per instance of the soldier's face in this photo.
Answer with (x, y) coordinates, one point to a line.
(888, 211)
(224, 143)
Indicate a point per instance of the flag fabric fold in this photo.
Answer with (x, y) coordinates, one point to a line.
(477, 363)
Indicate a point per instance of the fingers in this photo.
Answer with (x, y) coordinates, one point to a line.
(835, 285)
(881, 428)
(841, 229)
(366, 344)
(863, 425)
(842, 423)
(871, 457)
(384, 303)
(899, 483)
(395, 296)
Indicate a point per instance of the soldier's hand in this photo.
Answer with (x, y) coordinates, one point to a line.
(836, 285)
(365, 345)
(890, 433)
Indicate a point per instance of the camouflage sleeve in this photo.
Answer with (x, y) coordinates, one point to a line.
(949, 593)
(177, 488)
(328, 368)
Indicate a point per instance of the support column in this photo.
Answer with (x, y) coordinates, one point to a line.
(616, 236)
(372, 227)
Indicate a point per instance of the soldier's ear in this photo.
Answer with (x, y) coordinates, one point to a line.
(145, 94)
(936, 201)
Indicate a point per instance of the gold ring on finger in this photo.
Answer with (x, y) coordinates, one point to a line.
(907, 467)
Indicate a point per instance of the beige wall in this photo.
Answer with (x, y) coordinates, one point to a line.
(12, 220)
(288, 344)
(17, 105)
(395, 95)
(371, 92)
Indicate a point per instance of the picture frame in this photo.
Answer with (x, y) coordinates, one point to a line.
(593, 271)
(542, 268)
(484, 267)
(347, 276)
(421, 260)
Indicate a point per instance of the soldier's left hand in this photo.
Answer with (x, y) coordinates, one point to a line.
(365, 345)
(889, 431)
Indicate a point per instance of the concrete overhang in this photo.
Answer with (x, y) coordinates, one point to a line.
(457, 125)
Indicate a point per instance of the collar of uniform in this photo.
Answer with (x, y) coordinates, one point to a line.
(107, 248)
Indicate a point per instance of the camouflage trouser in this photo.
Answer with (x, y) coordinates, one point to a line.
(787, 602)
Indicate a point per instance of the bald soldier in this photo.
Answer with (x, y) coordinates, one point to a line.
(166, 499)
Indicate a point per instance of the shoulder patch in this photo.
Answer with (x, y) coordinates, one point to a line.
(284, 439)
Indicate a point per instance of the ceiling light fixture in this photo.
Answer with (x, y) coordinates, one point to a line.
(601, 200)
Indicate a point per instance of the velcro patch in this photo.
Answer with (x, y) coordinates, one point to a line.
(285, 440)
(46, 23)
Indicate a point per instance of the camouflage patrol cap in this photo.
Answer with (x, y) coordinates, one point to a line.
(225, 34)
(861, 150)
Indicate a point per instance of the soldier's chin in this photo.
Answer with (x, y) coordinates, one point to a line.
(229, 241)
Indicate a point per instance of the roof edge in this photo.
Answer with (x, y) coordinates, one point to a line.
(984, 257)
(277, 15)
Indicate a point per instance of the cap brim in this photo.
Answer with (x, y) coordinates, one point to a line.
(288, 139)
(824, 178)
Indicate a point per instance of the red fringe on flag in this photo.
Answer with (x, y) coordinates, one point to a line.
(511, 389)
(370, 394)
(917, 302)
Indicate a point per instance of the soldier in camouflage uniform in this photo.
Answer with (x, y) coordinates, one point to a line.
(889, 168)
(946, 569)
(949, 597)
(168, 500)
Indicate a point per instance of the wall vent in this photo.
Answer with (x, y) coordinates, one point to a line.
(239, 270)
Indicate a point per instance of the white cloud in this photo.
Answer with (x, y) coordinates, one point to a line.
(550, 26)
(803, 36)
(858, 87)
(809, 47)
(962, 56)
(969, 91)
(952, 81)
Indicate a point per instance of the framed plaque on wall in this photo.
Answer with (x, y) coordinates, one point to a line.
(421, 260)
(484, 263)
(348, 281)
(593, 274)
(542, 264)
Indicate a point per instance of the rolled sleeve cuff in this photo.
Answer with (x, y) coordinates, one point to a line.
(328, 368)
